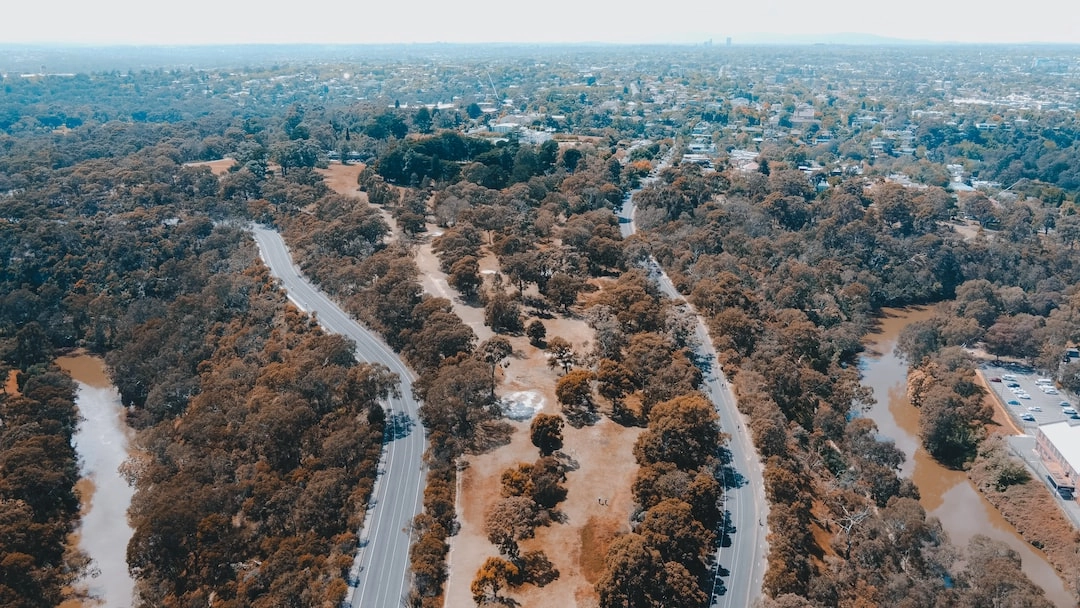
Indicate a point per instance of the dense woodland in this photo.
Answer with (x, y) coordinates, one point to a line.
(259, 434)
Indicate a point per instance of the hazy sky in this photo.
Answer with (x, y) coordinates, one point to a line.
(364, 21)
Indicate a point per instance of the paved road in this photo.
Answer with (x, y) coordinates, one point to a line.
(741, 564)
(380, 576)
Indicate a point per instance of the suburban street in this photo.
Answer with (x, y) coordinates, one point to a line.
(744, 559)
(380, 575)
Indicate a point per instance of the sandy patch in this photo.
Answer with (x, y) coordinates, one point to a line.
(217, 167)
(522, 406)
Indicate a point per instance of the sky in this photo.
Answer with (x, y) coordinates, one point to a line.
(559, 21)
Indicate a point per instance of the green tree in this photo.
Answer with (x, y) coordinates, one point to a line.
(536, 332)
(422, 120)
(546, 433)
(465, 276)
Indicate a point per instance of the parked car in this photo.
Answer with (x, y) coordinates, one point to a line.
(1023, 395)
(995, 379)
(1068, 411)
(1014, 402)
(1064, 403)
(1028, 418)
(1012, 384)
(1009, 377)
(1034, 408)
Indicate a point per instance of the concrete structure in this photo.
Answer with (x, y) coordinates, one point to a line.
(1058, 444)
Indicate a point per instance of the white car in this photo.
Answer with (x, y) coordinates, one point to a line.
(1028, 417)
(1023, 395)
(1034, 408)
(1050, 390)
(1068, 411)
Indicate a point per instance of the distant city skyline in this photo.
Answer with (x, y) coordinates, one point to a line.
(105, 22)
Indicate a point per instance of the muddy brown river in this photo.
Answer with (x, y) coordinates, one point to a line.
(102, 444)
(945, 494)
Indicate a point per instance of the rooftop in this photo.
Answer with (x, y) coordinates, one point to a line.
(1066, 438)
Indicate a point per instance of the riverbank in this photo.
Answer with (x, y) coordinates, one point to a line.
(947, 494)
(101, 442)
(1030, 508)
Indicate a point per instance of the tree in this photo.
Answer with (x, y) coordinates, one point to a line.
(549, 152)
(563, 289)
(494, 351)
(684, 431)
(574, 389)
(473, 111)
(632, 569)
(465, 276)
(546, 433)
(670, 526)
(510, 520)
(422, 120)
(993, 577)
(495, 574)
(536, 332)
(571, 158)
(1014, 336)
(613, 381)
(502, 314)
(560, 353)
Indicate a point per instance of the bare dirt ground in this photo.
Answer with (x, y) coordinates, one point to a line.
(599, 501)
(342, 178)
(598, 504)
(217, 167)
(11, 383)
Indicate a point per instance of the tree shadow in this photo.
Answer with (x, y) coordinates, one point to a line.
(398, 426)
(580, 416)
(623, 416)
(726, 529)
(568, 462)
(719, 588)
(726, 474)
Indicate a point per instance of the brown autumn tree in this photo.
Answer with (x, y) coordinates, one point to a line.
(493, 576)
(683, 431)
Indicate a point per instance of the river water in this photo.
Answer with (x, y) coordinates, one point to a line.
(945, 494)
(102, 444)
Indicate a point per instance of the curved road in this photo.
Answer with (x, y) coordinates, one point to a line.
(741, 564)
(380, 574)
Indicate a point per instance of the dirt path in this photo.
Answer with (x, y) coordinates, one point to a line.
(434, 282)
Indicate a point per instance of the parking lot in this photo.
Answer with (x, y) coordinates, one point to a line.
(1042, 407)
(1026, 402)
